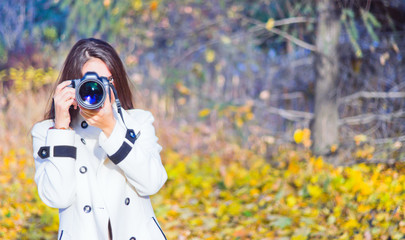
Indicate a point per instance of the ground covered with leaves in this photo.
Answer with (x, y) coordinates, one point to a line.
(238, 196)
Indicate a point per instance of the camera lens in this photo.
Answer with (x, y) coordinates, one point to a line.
(91, 94)
(90, 90)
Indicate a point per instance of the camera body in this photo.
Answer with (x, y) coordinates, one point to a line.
(91, 90)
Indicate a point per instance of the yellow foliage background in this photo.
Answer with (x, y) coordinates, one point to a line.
(225, 193)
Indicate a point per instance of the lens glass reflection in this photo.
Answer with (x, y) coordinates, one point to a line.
(91, 93)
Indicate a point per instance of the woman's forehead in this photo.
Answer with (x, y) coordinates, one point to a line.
(96, 65)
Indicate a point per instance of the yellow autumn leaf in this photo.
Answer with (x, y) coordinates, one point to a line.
(306, 137)
(358, 236)
(293, 167)
(254, 192)
(222, 210)
(173, 213)
(153, 5)
(291, 201)
(299, 237)
(196, 222)
(380, 217)
(333, 148)
(351, 224)
(205, 112)
(239, 122)
(249, 116)
(307, 143)
(359, 154)
(182, 89)
(362, 208)
(235, 208)
(229, 179)
(209, 55)
(365, 189)
(106, 3)
(306, 133)
(314, 190)
(360, 138)
(22, 175)
(137, 5)
(270, 24)
(298, 136)
(318, 164)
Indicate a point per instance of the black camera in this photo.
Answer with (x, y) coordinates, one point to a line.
(91, 90)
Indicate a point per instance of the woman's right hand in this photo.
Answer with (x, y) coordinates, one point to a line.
(64, 98)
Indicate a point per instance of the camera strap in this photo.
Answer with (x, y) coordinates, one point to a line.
(117, 101)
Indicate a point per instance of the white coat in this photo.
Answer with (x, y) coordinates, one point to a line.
(93, 179)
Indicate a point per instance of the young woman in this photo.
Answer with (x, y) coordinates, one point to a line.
(98, 167)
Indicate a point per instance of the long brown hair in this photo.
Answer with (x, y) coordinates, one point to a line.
(80, 53)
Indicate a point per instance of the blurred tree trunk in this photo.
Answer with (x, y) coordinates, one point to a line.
(325, 126)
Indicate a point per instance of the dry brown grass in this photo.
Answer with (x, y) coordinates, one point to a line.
(16, 120)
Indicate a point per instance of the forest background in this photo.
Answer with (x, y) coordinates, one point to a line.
(278, 119)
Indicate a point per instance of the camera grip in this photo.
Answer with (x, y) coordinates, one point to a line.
(73, 83)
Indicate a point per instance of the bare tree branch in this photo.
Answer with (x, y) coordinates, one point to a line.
(293, 20)
(199, 47)
(289, 37)
(389, 140)
(287, 96)
(295, 40)
(370, 117)
(368, 5)
(364, 94)
(291, 114)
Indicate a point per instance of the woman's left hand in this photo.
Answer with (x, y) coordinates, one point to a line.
(102, 118)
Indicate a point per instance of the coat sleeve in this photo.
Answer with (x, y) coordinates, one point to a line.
(136, 152)
(55, 154)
